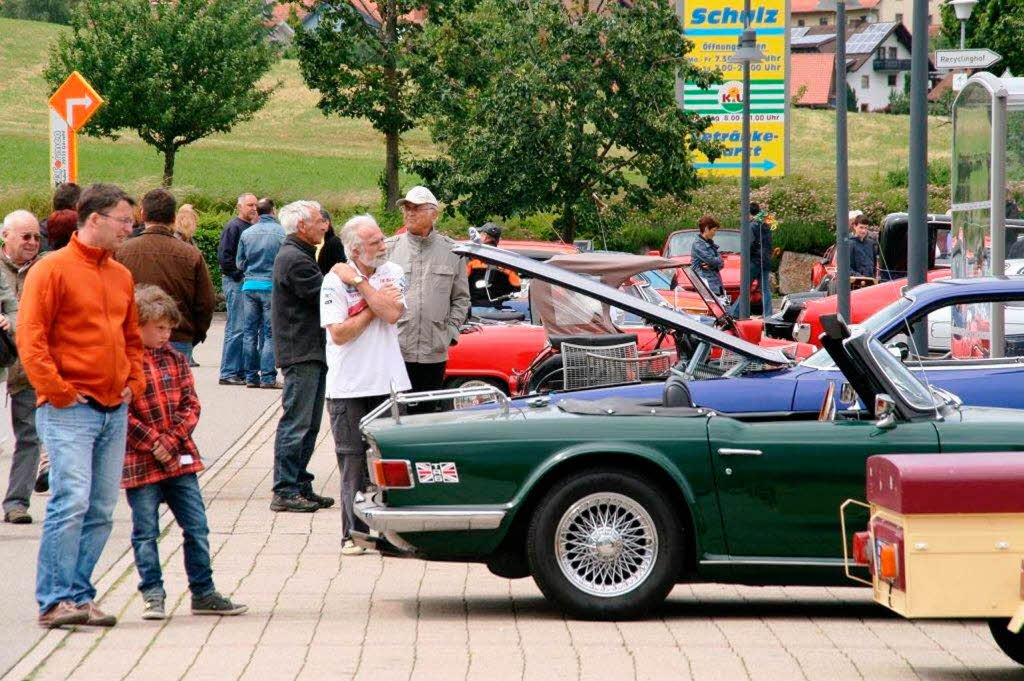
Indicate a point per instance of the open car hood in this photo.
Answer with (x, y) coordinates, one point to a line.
(654, 314)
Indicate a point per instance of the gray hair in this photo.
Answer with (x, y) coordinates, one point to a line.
(295, 212)
(350, 233)
(16, 216)
(241, 198)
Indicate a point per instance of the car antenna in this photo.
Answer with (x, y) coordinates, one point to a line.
(912, 344)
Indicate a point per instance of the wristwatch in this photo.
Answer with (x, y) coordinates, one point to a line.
(358, 279)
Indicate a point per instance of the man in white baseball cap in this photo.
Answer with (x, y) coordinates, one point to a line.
(436, 291)
(418, 196)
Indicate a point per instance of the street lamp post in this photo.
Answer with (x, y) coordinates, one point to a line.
(747, 52)
(842, 170)
(963, 9)
(917, 232)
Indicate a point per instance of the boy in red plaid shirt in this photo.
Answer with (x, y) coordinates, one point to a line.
(161, 463)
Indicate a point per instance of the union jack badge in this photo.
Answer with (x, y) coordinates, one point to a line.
(445, 472)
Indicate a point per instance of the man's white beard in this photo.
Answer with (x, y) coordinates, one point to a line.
(375, 262)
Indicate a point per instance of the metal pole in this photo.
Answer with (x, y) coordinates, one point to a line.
(679, 81)
(997, 216)
(842, 169)
(917, 236)
(744, 310)
(963, 34)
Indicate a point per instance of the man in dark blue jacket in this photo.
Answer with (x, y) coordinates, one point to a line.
(863, 249)
(231, 371)
(761, 256)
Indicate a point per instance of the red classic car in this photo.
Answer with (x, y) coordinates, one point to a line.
(509, 355)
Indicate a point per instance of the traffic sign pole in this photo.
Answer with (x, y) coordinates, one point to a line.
(59, 150)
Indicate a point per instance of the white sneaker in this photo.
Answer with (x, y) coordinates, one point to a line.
(349, 548)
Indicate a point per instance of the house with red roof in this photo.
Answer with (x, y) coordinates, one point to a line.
(877, 63)
(823, 12)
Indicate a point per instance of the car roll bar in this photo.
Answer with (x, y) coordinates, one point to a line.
(396, 399)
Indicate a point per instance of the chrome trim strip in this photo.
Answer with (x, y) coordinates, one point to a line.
(728, 451)
(428, 519)
(770, 560)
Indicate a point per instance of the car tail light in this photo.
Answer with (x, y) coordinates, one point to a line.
(392, 473)
(861, 550)
(888, 561)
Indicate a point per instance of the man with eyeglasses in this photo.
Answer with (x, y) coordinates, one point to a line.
(20, 251)
(78, 339)
(437, 291)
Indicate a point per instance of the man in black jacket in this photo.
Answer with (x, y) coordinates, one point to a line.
(231, 370)
(299, 353)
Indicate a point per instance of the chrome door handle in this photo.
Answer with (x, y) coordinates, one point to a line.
(726, 451)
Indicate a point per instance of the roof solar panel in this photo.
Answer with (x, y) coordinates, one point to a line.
(799, 31)
(867, 40)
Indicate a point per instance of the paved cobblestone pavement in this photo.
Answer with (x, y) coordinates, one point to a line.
(318, 615)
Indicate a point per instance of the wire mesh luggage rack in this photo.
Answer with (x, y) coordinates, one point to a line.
(586, 366)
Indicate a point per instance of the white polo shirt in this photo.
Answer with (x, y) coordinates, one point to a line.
(369, 364)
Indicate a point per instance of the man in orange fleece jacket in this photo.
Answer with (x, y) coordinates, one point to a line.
(79, 344)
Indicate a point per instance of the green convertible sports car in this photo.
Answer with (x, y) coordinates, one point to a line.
(608, 504)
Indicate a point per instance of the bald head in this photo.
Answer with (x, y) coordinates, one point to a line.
(21, 236)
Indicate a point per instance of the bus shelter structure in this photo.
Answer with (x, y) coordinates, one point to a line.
(988, 164)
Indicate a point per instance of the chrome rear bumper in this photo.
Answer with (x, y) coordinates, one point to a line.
(427, 518)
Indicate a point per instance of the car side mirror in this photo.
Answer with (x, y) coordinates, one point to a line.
(654, 252)
(885, 412)
(847, 395)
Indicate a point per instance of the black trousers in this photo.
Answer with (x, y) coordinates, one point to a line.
(426, 377)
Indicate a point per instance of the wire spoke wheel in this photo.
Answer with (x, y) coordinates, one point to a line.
(606, 544)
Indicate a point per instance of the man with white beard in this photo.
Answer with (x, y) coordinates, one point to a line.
(360, 303)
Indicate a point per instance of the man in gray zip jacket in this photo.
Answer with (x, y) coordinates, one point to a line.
(436, 290)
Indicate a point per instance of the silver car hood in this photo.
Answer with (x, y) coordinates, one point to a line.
(673, 319)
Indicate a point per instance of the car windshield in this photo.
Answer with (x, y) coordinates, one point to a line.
(821, 359)
(659, 279)
(912, 390)
(681, 242)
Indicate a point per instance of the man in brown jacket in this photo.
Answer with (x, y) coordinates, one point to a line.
(157, 257)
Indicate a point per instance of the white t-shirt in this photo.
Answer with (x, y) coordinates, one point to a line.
(369, 364)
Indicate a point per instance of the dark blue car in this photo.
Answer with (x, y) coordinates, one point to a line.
(958, 317)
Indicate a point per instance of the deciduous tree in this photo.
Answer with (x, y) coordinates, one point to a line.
(995, 24)
(543, 105)
(359, 64)
(172, 71)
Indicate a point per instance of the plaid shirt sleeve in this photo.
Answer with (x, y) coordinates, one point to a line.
(186, 416)
(144, 410)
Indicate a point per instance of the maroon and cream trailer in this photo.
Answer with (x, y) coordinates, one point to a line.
(945, 539)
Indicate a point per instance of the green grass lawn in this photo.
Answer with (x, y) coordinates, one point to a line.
(290, 150)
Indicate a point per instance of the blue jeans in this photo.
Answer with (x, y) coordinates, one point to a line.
(231, 357)
(766, 294)
(86, 449)
(302, 401)
(183, 497)
(183, 348)
(258, 344)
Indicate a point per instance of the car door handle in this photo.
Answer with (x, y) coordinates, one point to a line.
(727, 451)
